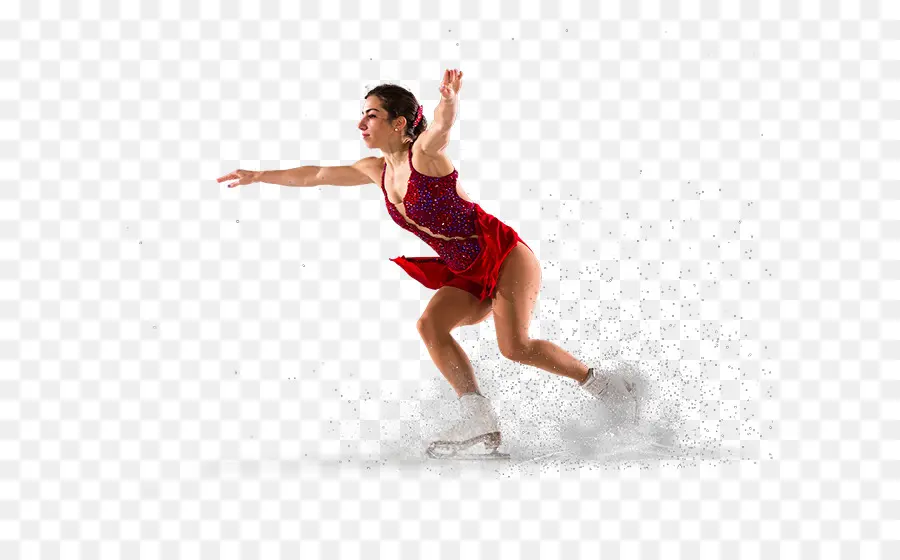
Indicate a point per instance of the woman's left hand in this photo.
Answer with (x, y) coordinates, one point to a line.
(451, 84)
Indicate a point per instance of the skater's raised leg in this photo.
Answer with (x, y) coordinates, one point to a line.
(514, 300)
(516, 294)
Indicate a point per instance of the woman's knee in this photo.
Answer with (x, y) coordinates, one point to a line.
(515, 349)
(430, 327)
(449, 308)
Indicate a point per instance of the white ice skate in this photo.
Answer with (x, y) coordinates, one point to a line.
(475, 436)
(620, 395)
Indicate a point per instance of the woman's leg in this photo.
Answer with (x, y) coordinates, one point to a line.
(517, 290)
(448, 309)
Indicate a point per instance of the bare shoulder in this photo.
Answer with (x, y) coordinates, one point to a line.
(372, 167)
(435, 164)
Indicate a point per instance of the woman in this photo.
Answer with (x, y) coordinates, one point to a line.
(483, 266)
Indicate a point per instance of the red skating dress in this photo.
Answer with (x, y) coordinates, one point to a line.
(471, 260)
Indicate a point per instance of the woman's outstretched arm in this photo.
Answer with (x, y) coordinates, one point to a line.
(306, 176)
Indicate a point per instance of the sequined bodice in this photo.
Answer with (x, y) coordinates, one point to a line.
(433, 204)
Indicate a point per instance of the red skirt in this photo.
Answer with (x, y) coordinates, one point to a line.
(496, 240)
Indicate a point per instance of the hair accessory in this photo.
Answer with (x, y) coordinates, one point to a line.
(418, 116)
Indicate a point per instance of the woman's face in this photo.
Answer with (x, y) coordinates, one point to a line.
(373, 123)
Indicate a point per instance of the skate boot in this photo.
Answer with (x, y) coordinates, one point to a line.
(618, 394)
(475, 436)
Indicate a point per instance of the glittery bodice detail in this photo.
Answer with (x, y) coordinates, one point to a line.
(433, 204)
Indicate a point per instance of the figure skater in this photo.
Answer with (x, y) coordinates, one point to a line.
(483, 267)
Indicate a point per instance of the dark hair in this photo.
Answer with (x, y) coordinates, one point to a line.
(400, 102)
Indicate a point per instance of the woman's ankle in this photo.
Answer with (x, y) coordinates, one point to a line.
(586, 376)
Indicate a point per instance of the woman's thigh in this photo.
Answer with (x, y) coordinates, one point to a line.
(452, 307)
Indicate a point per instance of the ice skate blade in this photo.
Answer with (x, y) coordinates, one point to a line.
(475, 457)
(464, 456)
(462, 450)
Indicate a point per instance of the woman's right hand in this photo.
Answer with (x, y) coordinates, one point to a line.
(241, 177)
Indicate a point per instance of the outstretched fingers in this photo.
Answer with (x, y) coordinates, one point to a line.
(233, 176)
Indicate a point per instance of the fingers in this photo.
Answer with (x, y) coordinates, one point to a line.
(453, 75)
(230, 177)
(452, 78)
